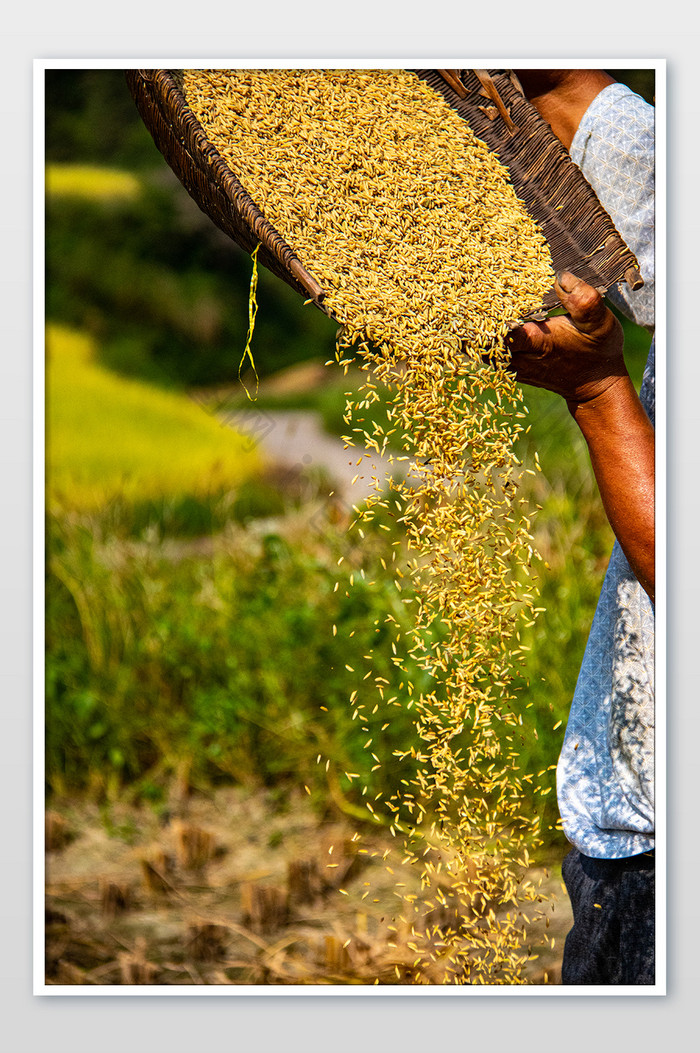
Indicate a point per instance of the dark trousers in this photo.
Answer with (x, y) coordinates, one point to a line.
(612, 939)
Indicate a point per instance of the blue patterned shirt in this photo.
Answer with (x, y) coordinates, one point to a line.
(605, 775)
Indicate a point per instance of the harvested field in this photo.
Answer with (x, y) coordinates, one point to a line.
(260, 905)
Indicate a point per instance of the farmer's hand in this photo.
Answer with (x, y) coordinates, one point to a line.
(578, 355)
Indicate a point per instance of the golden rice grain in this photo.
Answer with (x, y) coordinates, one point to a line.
(427, 255)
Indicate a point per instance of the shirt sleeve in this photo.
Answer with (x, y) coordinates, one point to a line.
(614, 148)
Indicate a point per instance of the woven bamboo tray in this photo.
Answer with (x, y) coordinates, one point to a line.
(580, 233)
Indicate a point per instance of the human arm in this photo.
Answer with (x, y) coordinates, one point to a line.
(580, 357)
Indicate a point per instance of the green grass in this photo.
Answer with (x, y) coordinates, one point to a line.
(224, 658)
(109, 437)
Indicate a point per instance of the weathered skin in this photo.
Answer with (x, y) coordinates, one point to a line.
(562, 96)
(581, 356)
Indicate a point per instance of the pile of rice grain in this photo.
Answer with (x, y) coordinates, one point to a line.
(411, 225)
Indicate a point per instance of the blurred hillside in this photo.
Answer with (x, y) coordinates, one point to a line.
(163, 291)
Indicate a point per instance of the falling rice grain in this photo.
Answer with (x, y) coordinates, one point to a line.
(413, 228)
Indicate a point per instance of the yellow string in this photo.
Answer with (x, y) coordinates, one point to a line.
(252, 311)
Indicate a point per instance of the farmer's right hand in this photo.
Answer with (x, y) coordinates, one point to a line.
(579, 355)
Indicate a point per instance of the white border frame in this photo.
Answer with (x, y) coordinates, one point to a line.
(39, 986)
